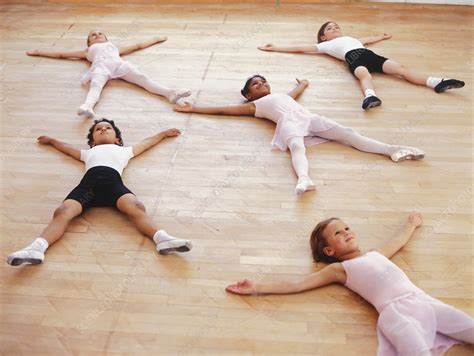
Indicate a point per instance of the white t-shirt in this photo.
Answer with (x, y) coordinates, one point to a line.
(275, 106)
(109, 155)
(338, 47)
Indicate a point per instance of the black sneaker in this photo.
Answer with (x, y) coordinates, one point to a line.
(448, 84)
(371, 102)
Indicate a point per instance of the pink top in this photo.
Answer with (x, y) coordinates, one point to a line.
(105, 58)
(410, 321)
(377, 279)
(292, 120)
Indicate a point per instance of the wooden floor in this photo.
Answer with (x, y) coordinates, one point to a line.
(104, 290)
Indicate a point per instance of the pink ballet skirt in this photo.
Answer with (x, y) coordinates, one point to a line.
(410, 321)
(292, 120)
(105, 58)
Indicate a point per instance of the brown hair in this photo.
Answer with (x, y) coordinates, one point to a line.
(321, 30)
(318, 242)
(90, 35)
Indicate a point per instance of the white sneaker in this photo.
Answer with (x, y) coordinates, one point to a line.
(32, 257)
(178, 94)
(304, 183)
(405, 153)
(173, 244)
(86, 111)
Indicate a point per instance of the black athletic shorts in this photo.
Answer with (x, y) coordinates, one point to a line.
(100, 186)
(365, 58)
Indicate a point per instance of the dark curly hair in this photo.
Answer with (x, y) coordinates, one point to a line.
(245, 90)
(318, 242)
(118, 133)
(321, 30)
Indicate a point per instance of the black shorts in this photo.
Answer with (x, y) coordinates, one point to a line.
(100, 186)
(366, 58)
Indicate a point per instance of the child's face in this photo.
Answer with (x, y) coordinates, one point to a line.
(340, 239)
(104, 134)
(258, 88)
(96, 37)
(331, 32)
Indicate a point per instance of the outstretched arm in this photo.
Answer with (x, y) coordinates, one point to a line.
(300, 88)
(291, 49)
(247, 109)
(151, 141)
(334, 273)
(61, 146)
(395, 244)
(135, 47)
(375, 39)
(59, 55)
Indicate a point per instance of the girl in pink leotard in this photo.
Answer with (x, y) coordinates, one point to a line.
(410, 321)
(297, 128)
(107, 64)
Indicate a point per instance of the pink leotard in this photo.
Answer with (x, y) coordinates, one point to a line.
(410, 321)
(292, 120)
(105, 58)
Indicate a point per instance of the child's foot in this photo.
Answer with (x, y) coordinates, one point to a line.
(371, 102)
(32, 257)
(404, 153)
(447, 84)
(167, 243)
(86, 111)
(178, 94)
(304, 183)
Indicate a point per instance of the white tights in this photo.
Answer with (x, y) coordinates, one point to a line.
(136, 77)
(341, 134)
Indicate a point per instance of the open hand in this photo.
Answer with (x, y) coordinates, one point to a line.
(187, 107)
(303, 82)
(34, 52)
(244, 287)
(44, 140)
(172, 132)
(267, 47)
(386, 36)
(415, 219)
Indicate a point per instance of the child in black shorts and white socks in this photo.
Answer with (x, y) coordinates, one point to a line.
(362, 62)
(101, 186)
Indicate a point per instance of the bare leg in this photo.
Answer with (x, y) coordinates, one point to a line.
(62, 216)
(393, 68)
(34, 253)
(365, 78)
(135, 210)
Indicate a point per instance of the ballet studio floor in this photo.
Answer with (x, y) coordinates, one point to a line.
(103, 289)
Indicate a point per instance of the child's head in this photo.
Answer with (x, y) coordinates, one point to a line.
(96, 37)
(255, 87)
(331, 239)
(329, 31)
(104, 132)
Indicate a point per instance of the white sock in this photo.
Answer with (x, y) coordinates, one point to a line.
(433, 81)
(162, 235)
(39, 244)
(369, 92)
(177, 94)
(304, 183)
